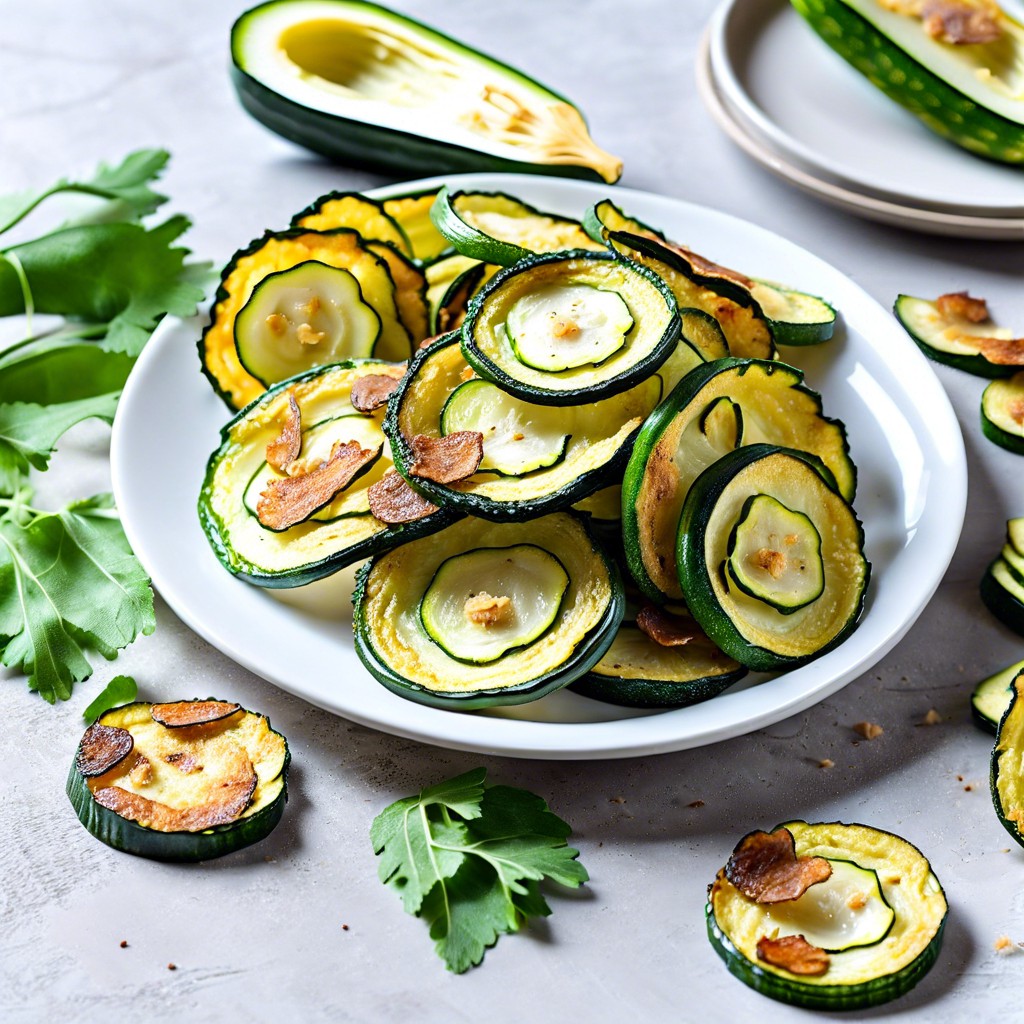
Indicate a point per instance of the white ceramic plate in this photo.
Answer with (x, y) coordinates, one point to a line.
(802, 100)
(911, 497)
(884, 211)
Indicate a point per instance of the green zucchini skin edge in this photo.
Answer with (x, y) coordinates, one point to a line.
(653, 693)
(824, 997)
(955, 116)
(316, 207)
(640, 371)
(1011, 442)
(583, 658)
(700, 597)
(1011, 826)
(594, 226)
(374, 147)
(1004, 606)
(178, 847)
(311, 571)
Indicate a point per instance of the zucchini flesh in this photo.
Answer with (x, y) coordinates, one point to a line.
(410, 289)
(451, 283)
(306, 316)
(603, 506)
(1007, 778)
(1015, 534)
(605, 217)
(1002, 413)
(991, 697)
(858, 976)
(796, 317)
(353, 210)
(1014, 562)
(484, 603)
(704, 333)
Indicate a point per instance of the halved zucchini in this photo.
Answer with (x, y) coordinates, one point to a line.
(1003, 594)
(339, 535)
(991, 697)
(282, 250)
(356, 211)
(397, 649)
(600, 436)
(188, 793)
(412, 214)
(718, 405)
(1007, 777)
(1002, 413)
(749, 628)
(878, 921)
(370, 87)
(497, 228)
(548, 285)
(796, 317)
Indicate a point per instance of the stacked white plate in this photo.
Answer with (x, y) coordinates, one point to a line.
(800, 111)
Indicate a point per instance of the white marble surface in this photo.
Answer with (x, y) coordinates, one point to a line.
(258, 936)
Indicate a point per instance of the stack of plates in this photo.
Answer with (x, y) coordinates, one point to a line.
(799, 110)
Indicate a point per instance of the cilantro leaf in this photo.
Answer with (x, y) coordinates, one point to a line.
(469, 860)
(120, 690)
(68, 583)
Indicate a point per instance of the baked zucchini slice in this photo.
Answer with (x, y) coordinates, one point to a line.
(468, 619)
(970, 94)
(369, 87)
(1015, 534)
(282, 250)
(871, 929)
(451, 282)
(585, 446)
(604, 217)
(796, 317)
(335, 534)
(497, 228)
(1007, 778)
(603, 324)
(356, 211)
(604, 506)
(186, 781)
(713, 540)
(1002, 413)
(412, 214)
(1002, 592)
(991, 697)
(956, 331)
(719, 406)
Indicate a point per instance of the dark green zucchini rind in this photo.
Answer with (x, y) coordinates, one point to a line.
(1003, 595)
(992, 696)
(592, 610)
(1006, 778)
(601, 438)
(310, 550)
(1002, 413)
(651, 341)
(605, 217)
(942, 107)
(753, 632)
(901, 961)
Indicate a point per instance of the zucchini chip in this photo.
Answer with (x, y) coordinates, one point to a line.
(870, 930)
(451, 282)
(353, 210)
(1002, 591)
(796, 317)
(604, 217)
(1002, 413)
(773, 621)
(992, 696)
(338, 528)
(718, 407)
(485, 614)
(1007, 778)
(563, 455)
(567, 328)
(282, 251)
(412, 214)
(202, 779)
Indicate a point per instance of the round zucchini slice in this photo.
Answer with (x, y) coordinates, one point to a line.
(750, 627)
(412, 214)
(1003, 594)
(451, 282)
(1007, 778)
(618, 314)
(353, 210)
(718, 406)
(309, 315)
(603, 506)
(1002, 413)
(872, 929)
(473, 589)
(204, 786)
(341, 532)
(591, 442)
(796, 317)
(605, 217)
(992, 696)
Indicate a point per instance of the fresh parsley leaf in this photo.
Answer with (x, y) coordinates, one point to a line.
(68, 583)
(50, 373)
(120, 690)
(469, 860)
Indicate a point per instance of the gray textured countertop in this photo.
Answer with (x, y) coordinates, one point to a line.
(260, 935)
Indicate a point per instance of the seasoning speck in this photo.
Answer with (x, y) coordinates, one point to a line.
(172, 967)
(931, 718)
(344, 927)
(617, 800)
(124, 943)
(696, 803)
(826, 762)
(869, 730)
(1004, 944)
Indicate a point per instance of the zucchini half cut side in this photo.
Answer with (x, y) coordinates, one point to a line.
(183, 794)
(497, 228)
(1002, 413)
(796, 317)
(1006, 778)
(283, 250)
(339, 534)
(421, 600)
(370, 87)
(599, 438)
(558, 303)
(878, 918)
(992, 696)
(718, 406)
(749, 628)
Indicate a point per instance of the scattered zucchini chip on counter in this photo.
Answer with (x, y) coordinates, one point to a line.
(1007, 777)
(992, 696)
(269, 547)
(571, 327)
(796, 317)
(412, 214)
(1015, 534)
(497, 228)
(1002, 591)
(864, 934)
(956, 330)
(775, 619)
(536, 458)
(719, 406)
(487, 614)
(287, 311)
(367, 86)
(1002, 413)
(198, 779)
